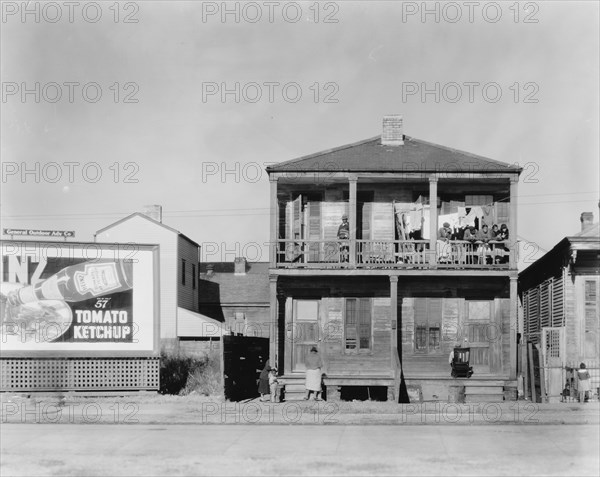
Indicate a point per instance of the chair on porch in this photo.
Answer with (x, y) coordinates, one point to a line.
(460, 363)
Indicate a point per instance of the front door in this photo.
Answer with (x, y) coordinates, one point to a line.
(303, 333)
(479, 331)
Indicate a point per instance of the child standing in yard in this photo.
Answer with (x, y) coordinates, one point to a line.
(273, 383)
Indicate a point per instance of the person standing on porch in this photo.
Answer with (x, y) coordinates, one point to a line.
(584, 382)
(263, 381)
(344, 234)
(313, 374)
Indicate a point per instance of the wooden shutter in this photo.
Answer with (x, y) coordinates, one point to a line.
(351, 322)
(314, 231)
(421, 325)
(558, 306)
(544, 304)
(364, 332)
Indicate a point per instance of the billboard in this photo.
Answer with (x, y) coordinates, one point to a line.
(78, 299)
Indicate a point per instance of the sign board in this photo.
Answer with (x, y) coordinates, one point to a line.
(41, 233)
(78, 299)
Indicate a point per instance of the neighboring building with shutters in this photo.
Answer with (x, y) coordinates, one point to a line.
(394, 290)
(561, 303)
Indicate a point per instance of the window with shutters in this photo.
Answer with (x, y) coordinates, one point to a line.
(357, 325)
(592, 319)
(428, 319)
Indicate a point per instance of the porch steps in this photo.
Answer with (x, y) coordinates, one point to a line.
(484, 391)
(294, 387)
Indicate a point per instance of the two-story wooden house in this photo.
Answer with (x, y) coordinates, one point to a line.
(394, 292)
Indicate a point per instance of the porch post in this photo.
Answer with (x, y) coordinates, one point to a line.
(274, 219)
(394, 312)
(512, 223)
(433, 180)
(273, 325)
(513, 326)
(352, 219)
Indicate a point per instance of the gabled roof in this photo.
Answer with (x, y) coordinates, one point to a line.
(414, 156)
(249, 288)
(149, 219)
(586, 245)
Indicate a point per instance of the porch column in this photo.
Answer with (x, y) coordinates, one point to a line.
(352, 180)
(273, 325)
(274, 219)
(513, 326)
(512, 223)
(433, 180)
(394, 313)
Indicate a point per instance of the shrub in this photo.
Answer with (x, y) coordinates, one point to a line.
(184, 374)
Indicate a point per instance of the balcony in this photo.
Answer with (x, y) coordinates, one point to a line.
(396, 254)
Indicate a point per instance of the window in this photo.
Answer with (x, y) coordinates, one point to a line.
(592, 319)
(428, 319)
(183, 272)
(357, 329)
(193, 276)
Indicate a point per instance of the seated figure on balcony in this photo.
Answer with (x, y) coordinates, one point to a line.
(495, 232)
(444, 249)
(344, 235)
(503, 237)
(502, 233)
(470, 234)
(445, 232)
(485, 236)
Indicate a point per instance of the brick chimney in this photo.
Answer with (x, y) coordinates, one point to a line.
(587, 219)
(393, 133)
(154, 212)
(239, 266)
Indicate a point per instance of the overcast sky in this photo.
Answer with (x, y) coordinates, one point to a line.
(162, 132)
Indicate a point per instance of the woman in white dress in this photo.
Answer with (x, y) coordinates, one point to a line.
(584, 382)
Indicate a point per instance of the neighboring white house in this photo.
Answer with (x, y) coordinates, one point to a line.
(179, 270)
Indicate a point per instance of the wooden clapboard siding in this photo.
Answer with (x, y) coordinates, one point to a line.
(331, 218)
(502, 213)
(572, 343)
(500, 314)
(367, 218)
(338, 360)
(451, 314)
(382, 227)
(407, 325)
(451, 325)
(187, 295)
(141, 230)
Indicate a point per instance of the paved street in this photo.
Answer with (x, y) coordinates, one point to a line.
(97, 449)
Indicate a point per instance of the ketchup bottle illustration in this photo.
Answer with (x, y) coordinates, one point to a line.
(78, 282)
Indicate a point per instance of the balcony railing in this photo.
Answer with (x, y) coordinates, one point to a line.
(391, 254)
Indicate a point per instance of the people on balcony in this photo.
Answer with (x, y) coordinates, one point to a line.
(503, 237)
(445, 232)
(470, 234)
(495, 231)
(444, 249)
(503, 233)
(343, 234)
